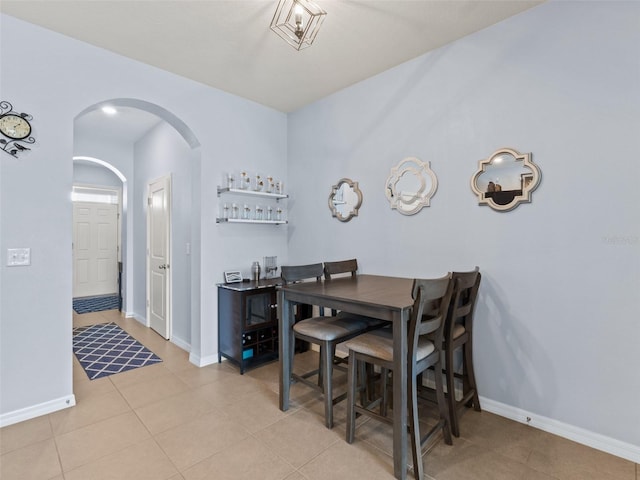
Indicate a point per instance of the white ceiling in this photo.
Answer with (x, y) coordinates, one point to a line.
(228, 44)
(126, 127)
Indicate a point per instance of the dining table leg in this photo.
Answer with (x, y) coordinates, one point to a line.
(285, 320)
(400, 324)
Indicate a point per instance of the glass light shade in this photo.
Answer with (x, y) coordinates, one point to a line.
(297, 22)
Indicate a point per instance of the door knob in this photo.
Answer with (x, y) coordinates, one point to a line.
(164, 267)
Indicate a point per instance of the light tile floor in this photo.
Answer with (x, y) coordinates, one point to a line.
(174, 421)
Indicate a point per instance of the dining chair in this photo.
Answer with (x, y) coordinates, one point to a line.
(458, 334)
(428, 315)
(341, 268)
(324, 331)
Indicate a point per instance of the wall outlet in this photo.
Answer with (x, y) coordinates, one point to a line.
(18, 257)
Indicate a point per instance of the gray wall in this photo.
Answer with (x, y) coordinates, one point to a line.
(557, 321)
(65, 77)
(95, 175)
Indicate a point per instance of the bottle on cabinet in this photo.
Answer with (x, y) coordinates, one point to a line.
(255, 271)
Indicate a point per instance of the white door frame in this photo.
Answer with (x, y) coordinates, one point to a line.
(169, 287)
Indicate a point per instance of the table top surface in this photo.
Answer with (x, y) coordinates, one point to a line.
(246, 285)
(375, 290)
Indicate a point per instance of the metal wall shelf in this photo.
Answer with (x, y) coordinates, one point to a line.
(251, 193)
(242, 220)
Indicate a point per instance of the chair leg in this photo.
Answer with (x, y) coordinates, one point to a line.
(326, 353)
(369, 383)
(351, 397)
(364, 374)
(384, 376)
(451, 391)
(471, 375)
(292, 345)
(414, 427)
(321, 367)
(442, 405)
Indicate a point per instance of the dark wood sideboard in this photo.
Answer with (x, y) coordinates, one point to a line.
(248, 323)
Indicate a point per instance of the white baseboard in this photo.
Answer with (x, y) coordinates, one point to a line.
(34, 411)
(180, 343)
(585, 437)
(138, 318)
(580, 435)
(199, 361)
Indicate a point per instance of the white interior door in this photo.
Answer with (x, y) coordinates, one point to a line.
(158, 253)
(95, 249)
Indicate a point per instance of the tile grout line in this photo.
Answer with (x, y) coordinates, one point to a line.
(275, 454)
(55, 442)
(168, 457)
(474, 440)
(120, 449)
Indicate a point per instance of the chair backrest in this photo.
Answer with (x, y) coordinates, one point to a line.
(463, 301)
(429, 313)
(343, 266)
(297, 273)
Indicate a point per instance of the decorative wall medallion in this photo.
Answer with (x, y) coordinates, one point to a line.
(505, 179)
(410, 186)
(15, 128)
(345, 199)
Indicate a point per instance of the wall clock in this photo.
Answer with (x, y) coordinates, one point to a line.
(15, 130)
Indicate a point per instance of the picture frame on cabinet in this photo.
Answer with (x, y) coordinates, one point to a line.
(233, 276)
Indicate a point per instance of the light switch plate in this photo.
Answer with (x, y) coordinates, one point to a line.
(18, 257)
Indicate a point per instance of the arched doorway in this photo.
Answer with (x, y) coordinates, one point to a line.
(143, 141)
(99, 189)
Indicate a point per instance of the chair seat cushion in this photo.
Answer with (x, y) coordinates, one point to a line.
(379, 344)
(328, 328)
(458, 329)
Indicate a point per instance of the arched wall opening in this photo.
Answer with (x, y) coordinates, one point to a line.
(150, 141)
(96, 177)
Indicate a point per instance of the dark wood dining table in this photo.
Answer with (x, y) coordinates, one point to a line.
(386, 298)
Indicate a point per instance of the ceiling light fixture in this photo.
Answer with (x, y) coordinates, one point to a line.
(109, 110)
(297, 22)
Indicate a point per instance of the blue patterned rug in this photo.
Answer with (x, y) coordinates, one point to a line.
(96, 304)
(105, 349)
